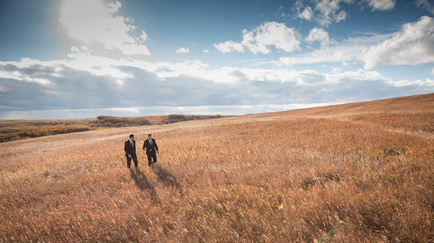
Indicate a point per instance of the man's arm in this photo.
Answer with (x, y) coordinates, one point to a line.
(126, 149)
(156, 146)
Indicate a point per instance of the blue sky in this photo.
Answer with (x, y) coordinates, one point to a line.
(84, 58)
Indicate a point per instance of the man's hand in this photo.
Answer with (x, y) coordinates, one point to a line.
(129, 156)
(158, 152)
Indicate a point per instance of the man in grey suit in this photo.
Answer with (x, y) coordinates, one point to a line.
(130, 151)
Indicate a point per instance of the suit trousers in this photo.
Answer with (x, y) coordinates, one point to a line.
(152, 157)
(134, 158)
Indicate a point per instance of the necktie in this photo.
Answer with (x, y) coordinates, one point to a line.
(150, 141)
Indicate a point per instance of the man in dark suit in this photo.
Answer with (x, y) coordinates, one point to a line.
(130, 151)
(151, 149)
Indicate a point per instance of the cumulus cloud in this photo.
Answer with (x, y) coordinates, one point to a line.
(320, 35)
(93, 21)
(271, 34)
(183, 50)
(229, 46)
(307, 13)
(205, 51)
(262, 37)
(414, 44)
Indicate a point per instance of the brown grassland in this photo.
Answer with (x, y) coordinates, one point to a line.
(358, 172)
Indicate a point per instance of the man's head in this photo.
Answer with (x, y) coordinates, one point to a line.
(131, 136)
(149, 136)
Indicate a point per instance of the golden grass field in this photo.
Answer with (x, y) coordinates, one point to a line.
(358, 172)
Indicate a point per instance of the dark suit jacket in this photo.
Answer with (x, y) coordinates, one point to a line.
(150, 148)
(130, 149)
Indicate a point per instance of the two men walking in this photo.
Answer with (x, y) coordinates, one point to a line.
(149, 146)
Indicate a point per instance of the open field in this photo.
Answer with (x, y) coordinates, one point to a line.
(349, 173)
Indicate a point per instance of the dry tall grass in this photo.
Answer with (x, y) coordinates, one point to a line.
(358, 175)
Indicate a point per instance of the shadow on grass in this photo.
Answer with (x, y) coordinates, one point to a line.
(166, 178)
(143, 184)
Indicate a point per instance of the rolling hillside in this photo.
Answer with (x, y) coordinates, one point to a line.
(357, 172)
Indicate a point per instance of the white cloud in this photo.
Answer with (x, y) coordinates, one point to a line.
(259, 39)
(271, 34)
(341, 16)
(92, 21)
(426, 4)
(403, 83)
(229, 46)
(143, 37)
(114, 7)
(414, 44)
(320, 35)
(307, 14)
(183, 50)
(381, 5)
(329, 55)
(324, 12)
(344, 52)
(328, 11)
(205, 51)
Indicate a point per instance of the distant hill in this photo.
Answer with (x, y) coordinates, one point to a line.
(11, 130)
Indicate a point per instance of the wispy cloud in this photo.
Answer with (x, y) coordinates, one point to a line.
(426, 4)
(381, 5)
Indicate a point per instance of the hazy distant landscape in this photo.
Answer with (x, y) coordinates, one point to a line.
(359, 172)
(11, 130)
